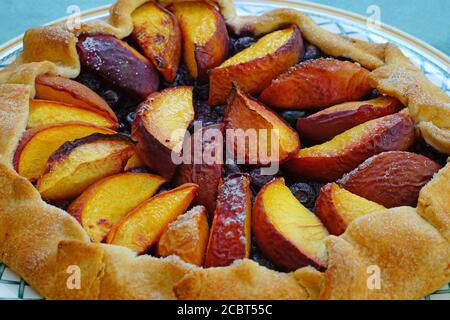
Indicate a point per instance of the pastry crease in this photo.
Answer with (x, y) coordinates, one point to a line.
(40, 242)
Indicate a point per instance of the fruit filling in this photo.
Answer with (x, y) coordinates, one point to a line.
(102, 145)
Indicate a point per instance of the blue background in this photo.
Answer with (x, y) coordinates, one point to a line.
(428, 20)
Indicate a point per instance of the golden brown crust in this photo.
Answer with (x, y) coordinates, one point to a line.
(26, 73)
(246, 280)
(62, 51)
(110, 273)
(31, 230)
(412, 256)
(436, 137)
(14, 114)
(434, 202)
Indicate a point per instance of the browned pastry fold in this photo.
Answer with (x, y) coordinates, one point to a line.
(434, 202)
(39, 241)
(110, 272)
(14, 114)
(412, 256)
(30, 231)
(247, 280)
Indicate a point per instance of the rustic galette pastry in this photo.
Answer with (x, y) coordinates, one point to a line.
(94, 119)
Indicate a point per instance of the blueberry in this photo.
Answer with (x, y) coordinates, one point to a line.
(183, 78)
(165, 187)
(89, 80)
(206, 114)
(230, 168)
(139, 170)
(312, 52)
(259, 180)
(111, 97)
(292, 116)
(373, 94)
(201, 91)
(130, 117)
(305, 193)
(239, 44)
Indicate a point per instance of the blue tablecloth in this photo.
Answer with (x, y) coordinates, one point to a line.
(428, 20)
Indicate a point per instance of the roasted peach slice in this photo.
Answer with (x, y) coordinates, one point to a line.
(317, 84)
(204, 167)
(37, 145)
(247, 115)
(393, 179)
(80, 163)
(142, 227)
(157, 33)
(65, 90)
(135, 163)
(325, 125)
(205, 36)
(254, 68)
(160, 126)
(105, 202)
(43, 112)
(230, 237)
(288, 234)
(337, 208)
(118, 64)
(331, 160)
(186, 237)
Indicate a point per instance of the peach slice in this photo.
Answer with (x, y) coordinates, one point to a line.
(186, 237)
(254, 68)
(105, 202)
(317, 84)
(44, 112)
(337, 208)
(204, 168)
(142, 227)
(157, 33)
(230, 237)
(288, 234)
(65, 90)
(39, 143)
(205, 36)
(393, 179)
(160, 126)
(325, 125)
(80, 163)
(118, 64)
(247, 114)
(329, 161)
(134, 163)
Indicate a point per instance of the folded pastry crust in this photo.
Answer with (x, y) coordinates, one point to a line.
(41, 242)
(247, 280)
(110, 272)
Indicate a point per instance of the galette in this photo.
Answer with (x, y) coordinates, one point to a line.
(180, 151)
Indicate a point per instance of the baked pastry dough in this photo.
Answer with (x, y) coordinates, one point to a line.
(39, 241)
(112, 272)
(14, 114)
(412, 257)
(247, 280)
